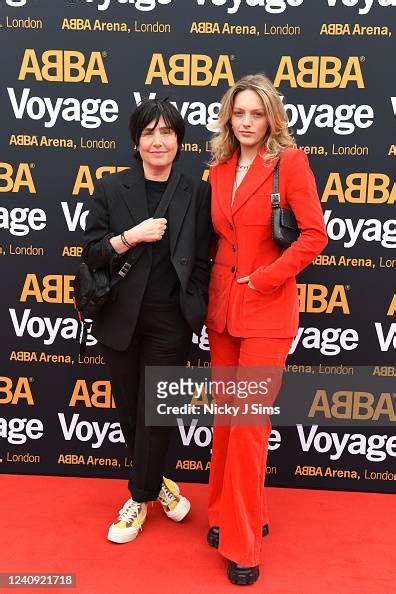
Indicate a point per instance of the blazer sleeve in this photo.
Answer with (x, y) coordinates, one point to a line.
(302, 196)
(97, 249)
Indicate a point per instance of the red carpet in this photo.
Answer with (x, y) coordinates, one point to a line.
(341, 543)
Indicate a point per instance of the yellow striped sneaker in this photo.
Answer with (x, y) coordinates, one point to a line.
(131, 518)
(174, 505)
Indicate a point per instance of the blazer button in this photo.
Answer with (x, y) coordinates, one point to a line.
(233, 269)
(183, 261)
(234, 248)
(231, 227)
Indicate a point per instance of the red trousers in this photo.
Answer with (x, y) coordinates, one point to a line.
(237, 502)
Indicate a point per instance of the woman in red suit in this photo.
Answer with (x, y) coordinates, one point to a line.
(253, 304)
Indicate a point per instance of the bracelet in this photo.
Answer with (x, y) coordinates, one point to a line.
(125, 241)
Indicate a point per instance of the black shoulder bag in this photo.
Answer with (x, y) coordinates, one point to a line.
(92, 288)
(284, 225)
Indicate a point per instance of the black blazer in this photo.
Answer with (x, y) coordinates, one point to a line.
(120, 203)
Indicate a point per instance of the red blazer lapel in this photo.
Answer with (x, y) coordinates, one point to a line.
(225, 184)
(256, 176)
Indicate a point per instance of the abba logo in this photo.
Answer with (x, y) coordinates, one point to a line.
(56, 288)
(319, 72)
(97, 395)
(85, 178)
(270, 6)
(142, 5)
(392, 307)
(12, 392)
(318, 299)
(196, 70)
(355, 444)
(347, 404)
(364, 5)
(62, 66)
(13, 178)
(360, 188)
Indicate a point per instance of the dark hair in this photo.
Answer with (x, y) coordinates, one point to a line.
(151, 110)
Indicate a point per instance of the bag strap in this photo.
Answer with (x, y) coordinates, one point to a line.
(136, 252)
(125, 268)
(167, 195)
(275, 196)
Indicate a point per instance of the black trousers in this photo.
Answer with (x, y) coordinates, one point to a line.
(162, 337)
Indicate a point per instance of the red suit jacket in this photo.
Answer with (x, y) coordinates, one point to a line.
(245, 246)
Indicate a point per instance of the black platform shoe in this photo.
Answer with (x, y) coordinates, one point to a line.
(242, 576)
(214, 533)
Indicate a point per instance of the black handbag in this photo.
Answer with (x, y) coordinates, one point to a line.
(284, 225)
(92, 288)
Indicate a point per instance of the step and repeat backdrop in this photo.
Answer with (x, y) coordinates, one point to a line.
(72, 72)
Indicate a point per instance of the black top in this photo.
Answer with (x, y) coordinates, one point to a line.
(163, 282)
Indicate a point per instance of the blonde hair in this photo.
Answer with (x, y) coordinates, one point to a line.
(224, 143)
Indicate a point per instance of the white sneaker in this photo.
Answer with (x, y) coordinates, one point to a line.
(174, 505)
(131, 518)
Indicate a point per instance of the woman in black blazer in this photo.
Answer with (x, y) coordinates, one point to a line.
(161, 301)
